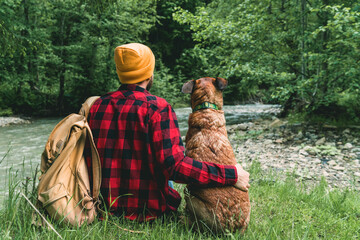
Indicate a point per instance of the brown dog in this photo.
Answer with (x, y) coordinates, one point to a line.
(206, 140)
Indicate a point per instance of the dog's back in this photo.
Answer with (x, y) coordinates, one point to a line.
(206, 140)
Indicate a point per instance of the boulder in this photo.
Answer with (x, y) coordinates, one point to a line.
(321, 141)
(311, 150)
(303, 152)
(6, 121)
(346, 131)
(276, 123)
(332, 163)
(338, 168)
(348, 146)
(268, 141)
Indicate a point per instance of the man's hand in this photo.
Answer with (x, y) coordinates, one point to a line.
(243, 179)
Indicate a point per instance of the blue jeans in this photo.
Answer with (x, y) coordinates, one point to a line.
(171, 184)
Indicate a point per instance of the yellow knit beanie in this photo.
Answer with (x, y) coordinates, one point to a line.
(135, 63)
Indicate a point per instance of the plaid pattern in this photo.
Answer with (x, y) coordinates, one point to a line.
(140, 147)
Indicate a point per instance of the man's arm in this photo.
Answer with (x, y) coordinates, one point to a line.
(169, 150)
(191, 171)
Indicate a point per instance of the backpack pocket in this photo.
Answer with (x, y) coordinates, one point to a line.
(53, 194)
(63, 207)
(57, 202)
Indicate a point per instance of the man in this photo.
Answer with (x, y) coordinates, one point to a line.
(140, 147)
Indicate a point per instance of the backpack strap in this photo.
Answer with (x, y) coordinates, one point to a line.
(87, 105)
(96, 165)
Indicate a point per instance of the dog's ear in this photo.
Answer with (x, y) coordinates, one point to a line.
(188, 87)
(221, 83)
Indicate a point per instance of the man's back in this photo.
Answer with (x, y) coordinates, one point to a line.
(126, 125)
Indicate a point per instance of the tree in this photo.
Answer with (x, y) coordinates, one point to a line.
(62, 51)
(300, 55)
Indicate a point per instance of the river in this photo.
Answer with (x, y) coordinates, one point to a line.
(21, 145)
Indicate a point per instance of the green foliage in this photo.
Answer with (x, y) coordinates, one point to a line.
(303, 55)
(168, 38)
(5, 112)
(64, 51)
(232, 45)
(167, 86)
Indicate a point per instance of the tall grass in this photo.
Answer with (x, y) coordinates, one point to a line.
(280, 210)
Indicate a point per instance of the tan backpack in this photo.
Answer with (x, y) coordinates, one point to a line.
(64, 187)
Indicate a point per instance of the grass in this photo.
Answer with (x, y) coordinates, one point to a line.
(280, 210)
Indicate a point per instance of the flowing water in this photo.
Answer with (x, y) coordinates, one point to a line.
(21, 145)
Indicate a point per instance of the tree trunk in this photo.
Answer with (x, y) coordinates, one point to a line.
(303, 28)
(60, 102)
(325, 39)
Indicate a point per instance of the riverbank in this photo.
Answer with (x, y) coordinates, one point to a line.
(6, 121)
(309, 152)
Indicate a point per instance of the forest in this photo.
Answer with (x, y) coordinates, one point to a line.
(302, 54)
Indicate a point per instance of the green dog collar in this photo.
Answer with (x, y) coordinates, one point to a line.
(206, 105)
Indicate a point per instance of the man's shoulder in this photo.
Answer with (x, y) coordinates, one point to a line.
(106, 98)
(159, 102)
(155, 102)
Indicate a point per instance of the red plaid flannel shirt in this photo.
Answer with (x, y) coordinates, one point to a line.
(140, 147)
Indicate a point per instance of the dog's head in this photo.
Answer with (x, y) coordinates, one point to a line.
(205, 89)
